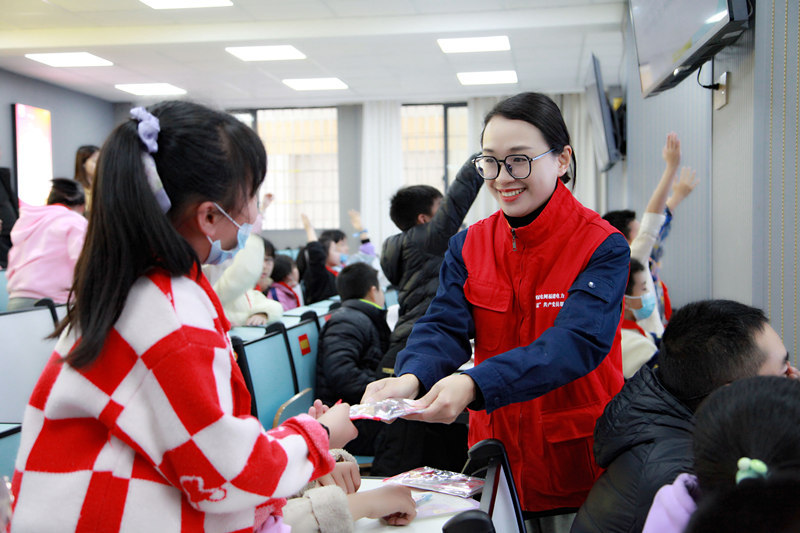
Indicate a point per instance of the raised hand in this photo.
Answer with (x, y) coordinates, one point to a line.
(672, 151)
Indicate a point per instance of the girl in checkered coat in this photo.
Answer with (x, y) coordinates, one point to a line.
(140, 421)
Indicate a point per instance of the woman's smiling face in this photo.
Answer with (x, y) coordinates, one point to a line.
(519, 197)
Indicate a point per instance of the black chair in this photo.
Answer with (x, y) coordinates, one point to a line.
(499, 500)
(241, 361)
(51, 305)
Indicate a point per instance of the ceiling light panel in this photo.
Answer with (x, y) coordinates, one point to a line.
(266, 53)
(315, 84)
(70, 59)
(497, 43)
(494, 77)
(150, 89)
(185, 4)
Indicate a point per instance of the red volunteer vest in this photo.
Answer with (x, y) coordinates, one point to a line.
(516, 295)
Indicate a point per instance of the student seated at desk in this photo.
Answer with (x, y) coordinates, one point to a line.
(332, 503)
(285, 278)
(351, 346)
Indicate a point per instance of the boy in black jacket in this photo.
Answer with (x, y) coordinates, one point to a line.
(351, 346)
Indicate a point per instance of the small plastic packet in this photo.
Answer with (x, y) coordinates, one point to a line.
(428, 478)
(384, 410)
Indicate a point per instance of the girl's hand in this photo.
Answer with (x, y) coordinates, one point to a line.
(317, 409)
(337, 420)
(393, 503)
(259, 319)
(345, 475)
(672, 152)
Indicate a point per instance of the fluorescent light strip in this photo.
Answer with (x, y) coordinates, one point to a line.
(487, 78)
(70, 59)
(185, 4)
(497, 43)
(150, 89)
(266, 53)
(315, 84)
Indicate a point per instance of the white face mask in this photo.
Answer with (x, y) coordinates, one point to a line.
(217, 255)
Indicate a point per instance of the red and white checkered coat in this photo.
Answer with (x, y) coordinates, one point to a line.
(155, 435)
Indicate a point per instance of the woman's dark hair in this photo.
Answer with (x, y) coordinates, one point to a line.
(66, 192)
(84, 152)
(753, 417)
(542, 112)
(203, 155)
(635, 268)
(282, 268)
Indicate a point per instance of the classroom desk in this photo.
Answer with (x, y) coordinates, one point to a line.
(428, 524)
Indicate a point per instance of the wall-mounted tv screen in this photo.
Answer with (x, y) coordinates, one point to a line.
(33, 153)
(675, 37)
(604, 132)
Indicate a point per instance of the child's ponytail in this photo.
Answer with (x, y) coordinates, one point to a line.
(153, 168)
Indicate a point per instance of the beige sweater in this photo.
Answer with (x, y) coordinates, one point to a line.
(322, 509)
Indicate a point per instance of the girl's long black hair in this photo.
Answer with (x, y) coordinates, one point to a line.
(203, 155)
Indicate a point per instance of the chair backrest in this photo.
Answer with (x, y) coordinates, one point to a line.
(499, 499)
(241, 362)
(248, 333)
(3, 292)
(9, 444)
(272, 374)
(391, 296)
(304, 344)
(24, 352)
(61, 312)
(310, 315)
(51, 306)
(296, 405)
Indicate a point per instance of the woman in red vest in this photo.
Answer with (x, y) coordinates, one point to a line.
(539, 287)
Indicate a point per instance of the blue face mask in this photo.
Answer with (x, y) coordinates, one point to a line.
(343, 258)
(217, 254)
(648, 305)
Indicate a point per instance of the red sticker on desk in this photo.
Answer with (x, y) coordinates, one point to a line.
(305, 345)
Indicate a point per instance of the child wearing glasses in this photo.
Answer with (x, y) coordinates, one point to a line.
(538, 286)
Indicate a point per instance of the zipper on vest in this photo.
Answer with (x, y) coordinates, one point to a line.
(513, 240)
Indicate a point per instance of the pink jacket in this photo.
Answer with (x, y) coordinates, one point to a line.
(673, 506)
(45, 244)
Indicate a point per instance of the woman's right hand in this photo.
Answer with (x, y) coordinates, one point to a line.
(337, 420)
(406, 386)
(393, 503)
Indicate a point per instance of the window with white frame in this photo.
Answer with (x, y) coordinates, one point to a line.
(302, 166)
(434, 143)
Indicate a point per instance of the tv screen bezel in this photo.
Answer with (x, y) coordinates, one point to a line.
(721, 34)
(609, 143)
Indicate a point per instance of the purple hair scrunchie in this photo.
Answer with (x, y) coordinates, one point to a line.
(148, 133)
(148, 128)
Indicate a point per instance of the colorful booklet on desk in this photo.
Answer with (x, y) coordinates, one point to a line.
(428, 478)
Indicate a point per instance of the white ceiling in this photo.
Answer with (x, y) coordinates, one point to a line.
(382, 49)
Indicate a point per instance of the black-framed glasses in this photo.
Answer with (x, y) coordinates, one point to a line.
(518, 166)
